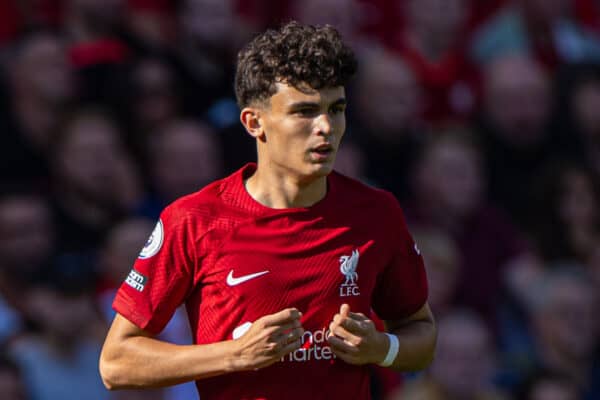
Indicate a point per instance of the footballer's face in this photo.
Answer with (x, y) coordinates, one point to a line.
(301, 130)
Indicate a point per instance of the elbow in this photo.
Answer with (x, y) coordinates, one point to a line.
(108, 377)
(109, 372)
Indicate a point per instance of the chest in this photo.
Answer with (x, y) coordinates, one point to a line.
(312, 265)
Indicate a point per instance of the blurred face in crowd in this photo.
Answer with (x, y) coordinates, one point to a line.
(548, 11)
(210, 22)
(553, 390)
(388, 96)
(100, 14)
(11, 385)
(464, 360)
(586, 103)
(63, 316)
(26, 233)
(185, 157)
(450, 176)
(344, 15)
(578, 205)
(92, 161)
(443, 19)
(156, 102)
(41, 69)
(351, 161)
(122, 247)
(568, 323)
(517, 100)
(442, 265)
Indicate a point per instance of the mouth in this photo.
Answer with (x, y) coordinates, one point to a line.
(322, 151)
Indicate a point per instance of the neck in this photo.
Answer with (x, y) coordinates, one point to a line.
(280, 190)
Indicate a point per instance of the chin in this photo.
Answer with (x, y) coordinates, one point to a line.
(323, 169)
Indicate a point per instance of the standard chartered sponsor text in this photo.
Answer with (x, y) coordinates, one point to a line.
(314, 347)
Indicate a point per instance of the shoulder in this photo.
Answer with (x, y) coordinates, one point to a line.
(358, 194)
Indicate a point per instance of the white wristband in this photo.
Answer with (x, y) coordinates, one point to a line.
(392, 351)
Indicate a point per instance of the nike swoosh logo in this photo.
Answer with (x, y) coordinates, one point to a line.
(231, 281)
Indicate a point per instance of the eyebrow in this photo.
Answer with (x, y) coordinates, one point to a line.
(311, 104)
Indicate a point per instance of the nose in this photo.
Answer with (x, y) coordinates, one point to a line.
(323, 125)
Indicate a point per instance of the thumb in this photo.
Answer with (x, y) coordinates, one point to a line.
(344, 310)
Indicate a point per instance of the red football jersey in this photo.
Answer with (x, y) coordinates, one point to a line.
(232, 260)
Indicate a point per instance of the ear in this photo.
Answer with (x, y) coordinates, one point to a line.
(251, 119)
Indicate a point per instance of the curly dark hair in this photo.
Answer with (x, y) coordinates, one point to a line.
(297, 55)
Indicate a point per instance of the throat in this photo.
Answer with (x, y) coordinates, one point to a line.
(280, 192)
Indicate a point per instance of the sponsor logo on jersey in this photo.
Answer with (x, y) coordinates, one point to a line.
(231, 281)
(314, 347)
(348, 265)
(136, 280)
(154, 242)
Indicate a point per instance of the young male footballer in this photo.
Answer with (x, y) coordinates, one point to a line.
(280, 264)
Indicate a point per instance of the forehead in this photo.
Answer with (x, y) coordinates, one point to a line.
(288, 95)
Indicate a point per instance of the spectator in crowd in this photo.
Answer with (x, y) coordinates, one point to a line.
(27, 247)
(12, 386)
(516, 112)
(152, 22)
(464, 366)
(388, 127)
(351, 160)
(433, 45)
(563, 309)
(345, 15)
(578, 114)
(210, 33)
(542, 29)
(95, 182)
(547, 385)
(449, 195)
(100, 49)
(40, 84)
(119, 251)
(154, 98)
(442, 262)
(184, 156)
(566, 224)
(67, 345)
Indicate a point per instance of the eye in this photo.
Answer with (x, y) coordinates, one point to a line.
(338, 109)
(306, 112)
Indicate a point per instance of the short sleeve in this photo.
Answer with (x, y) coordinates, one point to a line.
(162, 275)
(402, 286)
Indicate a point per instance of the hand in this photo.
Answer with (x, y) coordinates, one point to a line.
(268, 340)
(354, 338)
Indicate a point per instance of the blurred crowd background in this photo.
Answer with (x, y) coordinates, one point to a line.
(481, 116)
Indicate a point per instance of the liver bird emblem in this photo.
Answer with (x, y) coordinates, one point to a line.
(348, 266)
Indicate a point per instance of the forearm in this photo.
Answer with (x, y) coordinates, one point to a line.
(416, 345)
(141, 361)
(417, 338)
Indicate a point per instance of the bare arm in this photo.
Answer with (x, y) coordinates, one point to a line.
(133, 358)
(417, 335)
(355, 339)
